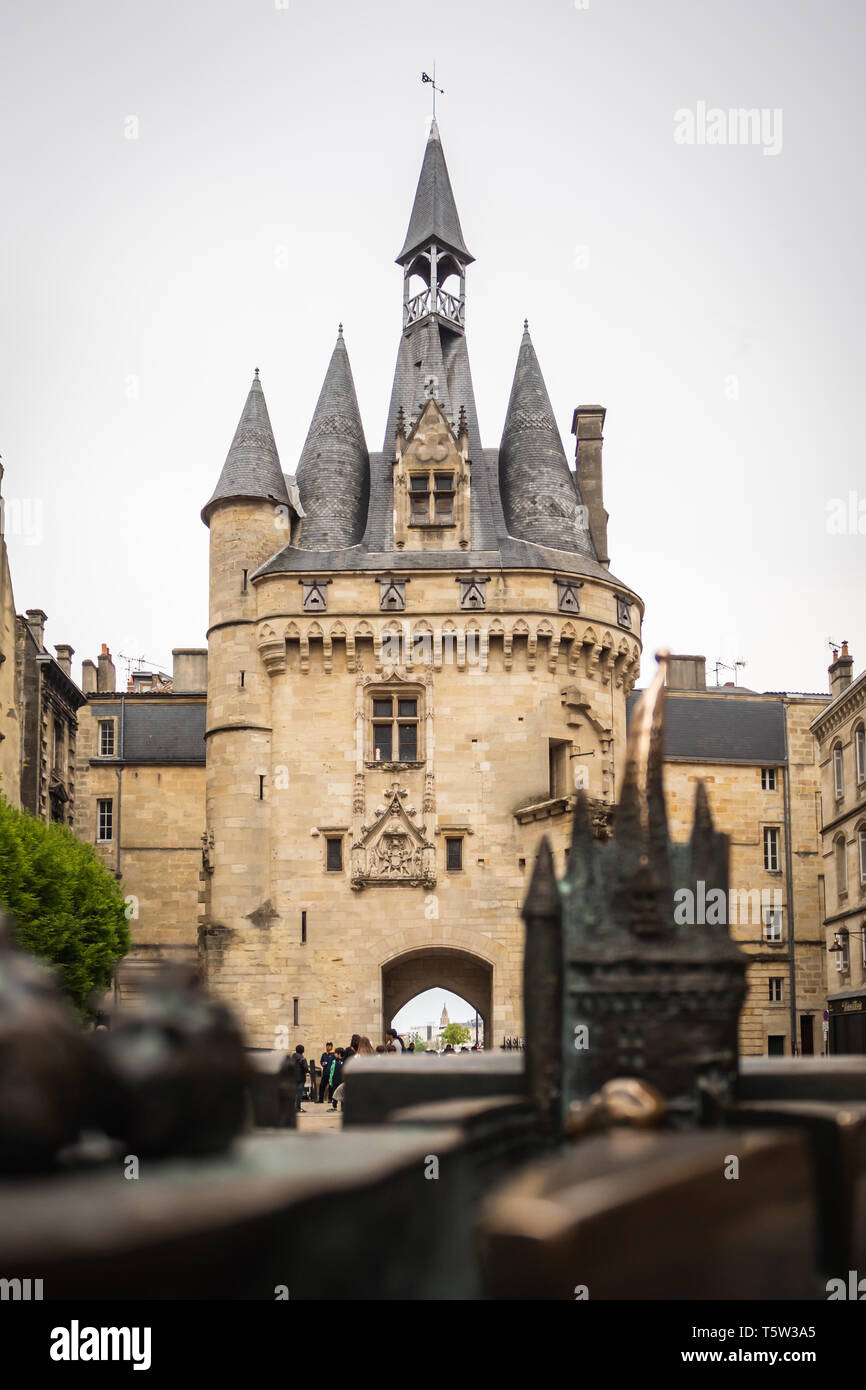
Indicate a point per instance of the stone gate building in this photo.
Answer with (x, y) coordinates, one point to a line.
(415, 655)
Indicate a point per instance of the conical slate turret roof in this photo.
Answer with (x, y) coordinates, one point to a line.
(334, 471)
(252, 466)
(540, 496)
(434, 212)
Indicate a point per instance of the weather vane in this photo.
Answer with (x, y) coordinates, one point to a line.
(425, 77)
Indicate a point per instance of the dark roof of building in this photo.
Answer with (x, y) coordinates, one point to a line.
(434, 212)
(712, 727)
(252, 466)
(159, 730)
(333, 475)
(540, 495)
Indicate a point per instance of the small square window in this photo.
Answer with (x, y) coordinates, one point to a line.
(775, 984)
(419, 483)
(454, 853)
(382, 709)
(335, 854)
(407, 709)
(768, 779)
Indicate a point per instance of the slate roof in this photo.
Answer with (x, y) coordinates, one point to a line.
(540, 495)
(333, 475)
(434, 212)
(719, 728)
(252, 466)
(159, 731)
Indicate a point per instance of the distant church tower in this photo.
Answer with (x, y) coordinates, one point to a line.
(415, 657)
(444, 1020)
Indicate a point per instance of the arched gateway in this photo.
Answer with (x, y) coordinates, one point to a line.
(413, 972)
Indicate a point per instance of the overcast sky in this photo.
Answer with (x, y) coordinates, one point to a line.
(711, 296)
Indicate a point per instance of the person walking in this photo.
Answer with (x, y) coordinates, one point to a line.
(395, 1039)
(303, 1068)
(325, 1064)
(335, 1077)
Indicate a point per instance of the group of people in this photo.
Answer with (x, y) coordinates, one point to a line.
(334, 1060)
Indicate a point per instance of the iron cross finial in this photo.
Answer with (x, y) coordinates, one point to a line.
(432, 80)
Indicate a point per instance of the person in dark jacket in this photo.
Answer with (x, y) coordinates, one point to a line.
(335, 1075)
(303, 1067)
(395, 1039)
(325, 1064)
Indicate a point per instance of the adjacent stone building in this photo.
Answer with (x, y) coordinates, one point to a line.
(48, 701)
(10, 723)
(415, 655)
(757, 758)
(840, 731)
(141, 788)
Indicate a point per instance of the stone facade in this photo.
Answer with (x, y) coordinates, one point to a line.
(48, 701)
(840, 731)
(10, 723)
(777, 789)
(401, 688)
(141, 787)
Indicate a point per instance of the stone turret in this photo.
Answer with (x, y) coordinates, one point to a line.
(540, 497)
(334, 470)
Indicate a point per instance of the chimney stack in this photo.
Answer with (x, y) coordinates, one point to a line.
(686, 673)
(88, 676)
(189, 670)
(36, 621)
(841, 670)
(587, 426)
(64, 655)
(105, 676)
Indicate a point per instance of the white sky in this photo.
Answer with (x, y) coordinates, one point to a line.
(266, 197)
(427, 1008)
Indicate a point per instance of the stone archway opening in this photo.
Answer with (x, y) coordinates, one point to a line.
(460, 972)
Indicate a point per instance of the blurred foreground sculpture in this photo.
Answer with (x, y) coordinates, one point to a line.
(42, 1062)
(636, 992)
(174, 1073)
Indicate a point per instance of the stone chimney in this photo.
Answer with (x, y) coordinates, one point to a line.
(105, 676)
(841, 670)
(88, 676)
(36, 621)
(686, 673)
(189, 670)
(64, 654)
(587, 426)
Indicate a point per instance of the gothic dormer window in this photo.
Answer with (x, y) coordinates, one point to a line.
(568, 595)
(431, 498)
(392, 595)
(473, 593)
(315, 595)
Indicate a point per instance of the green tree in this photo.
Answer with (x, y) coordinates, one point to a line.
(420, 1043)
(455, 1034)
(66, 907)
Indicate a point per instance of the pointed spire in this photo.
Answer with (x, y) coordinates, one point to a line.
(539, 491)
(333, 474)
(252, 466)
(434, 212)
